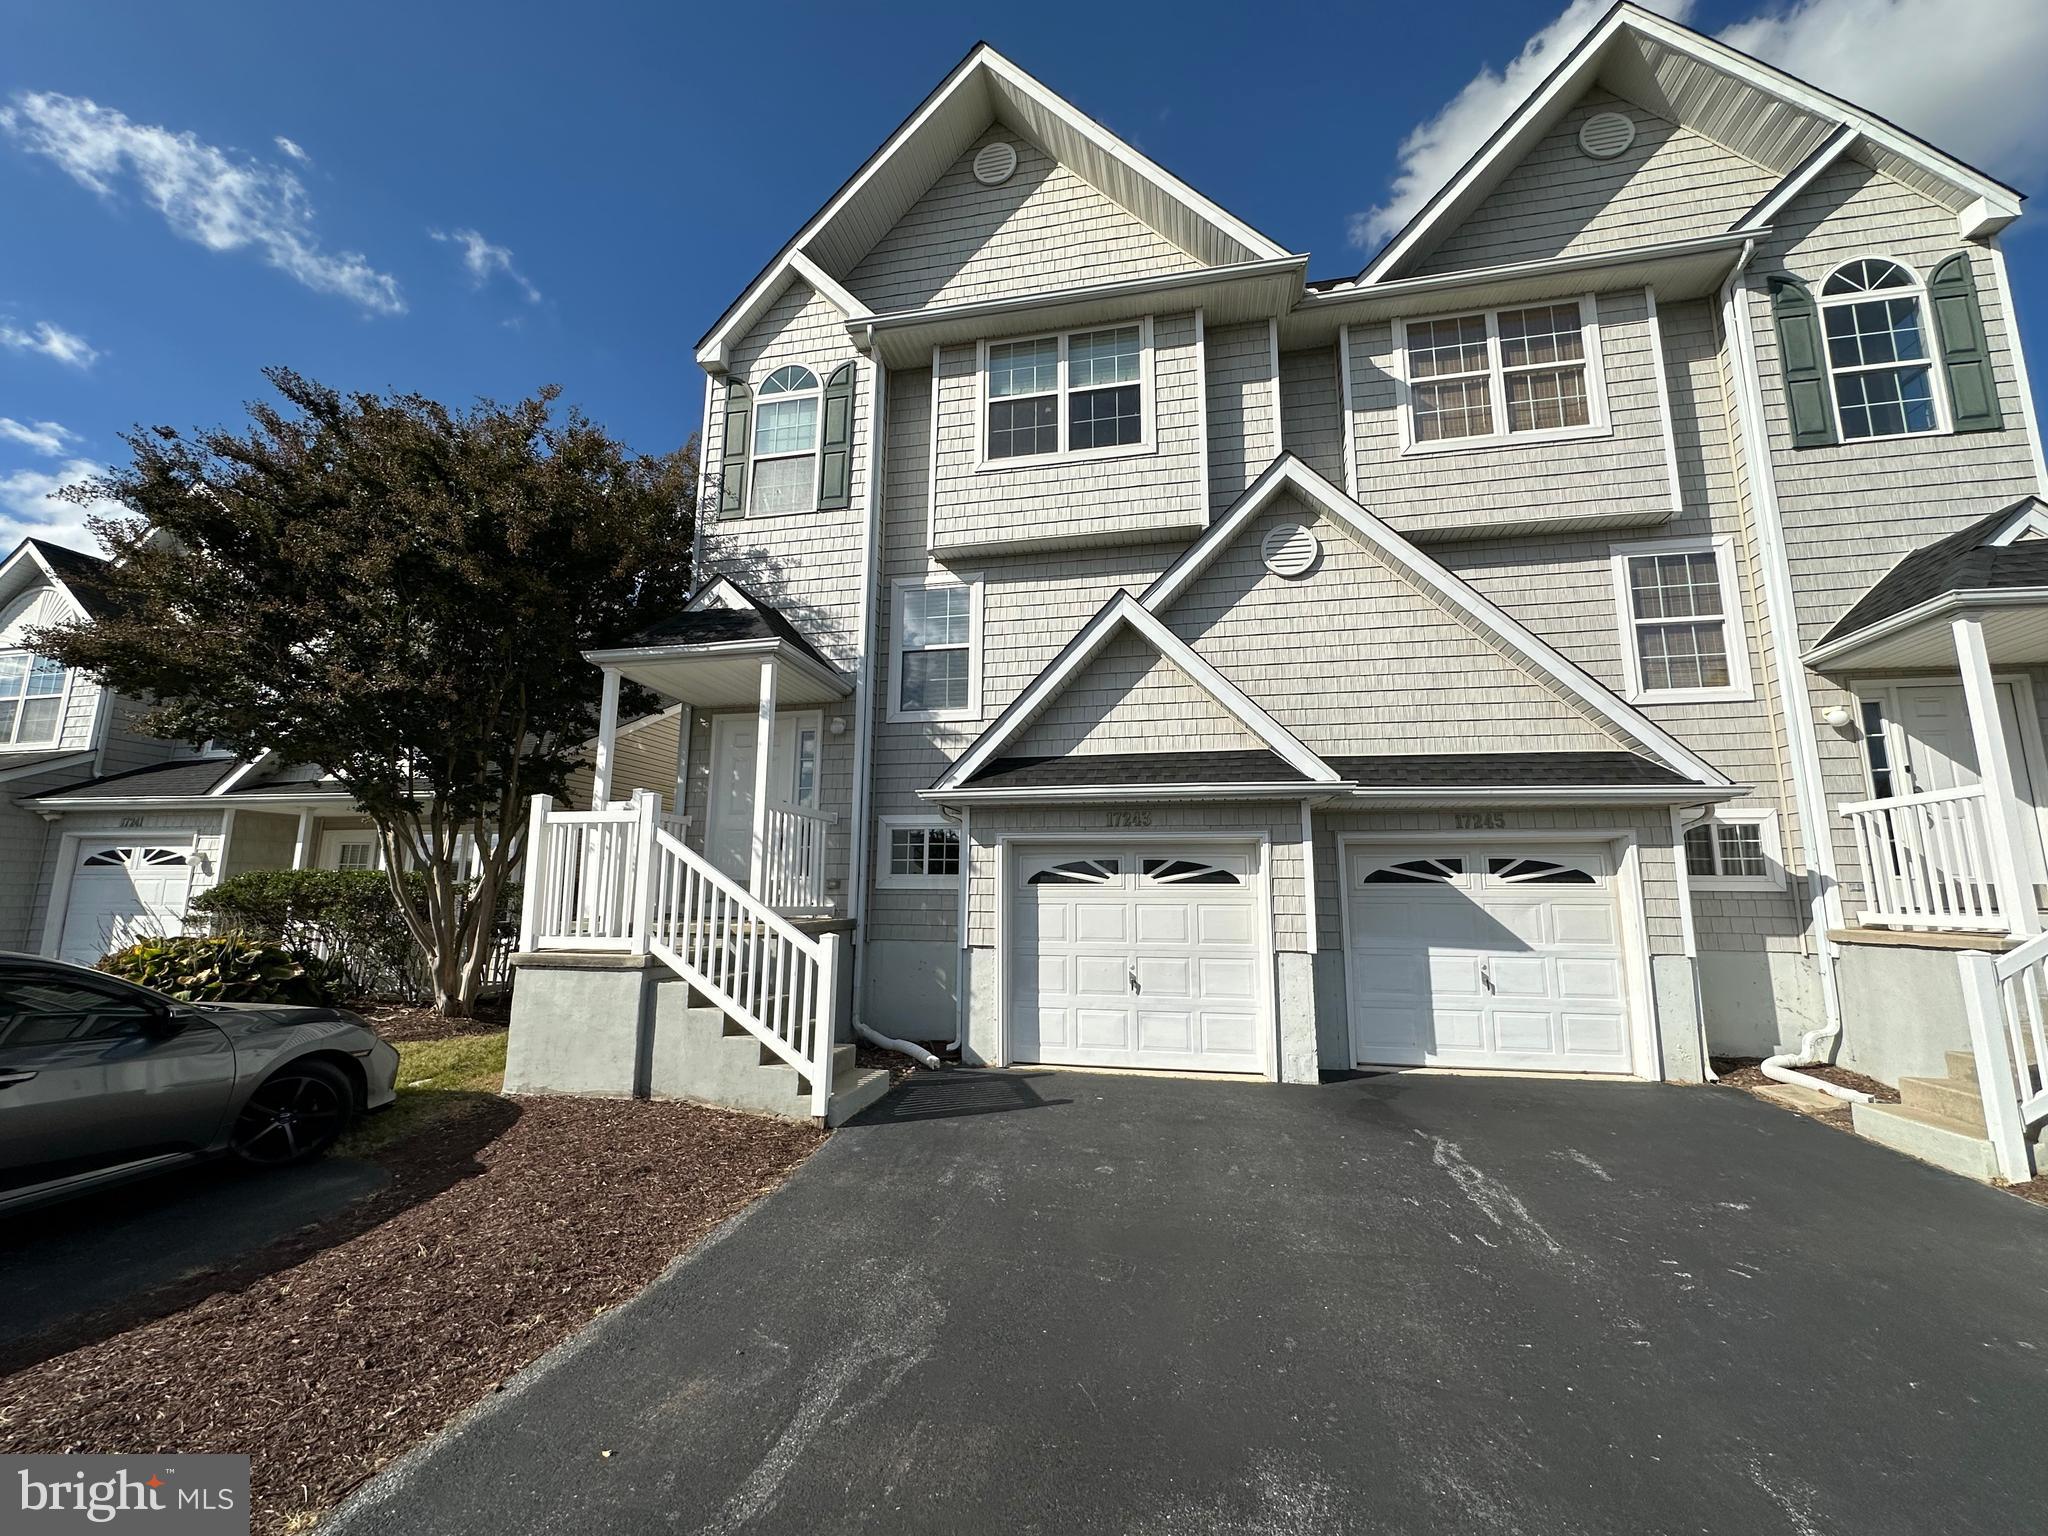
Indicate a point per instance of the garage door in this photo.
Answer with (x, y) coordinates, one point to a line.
(1487, 957)
(121, 893)
(1138, 957)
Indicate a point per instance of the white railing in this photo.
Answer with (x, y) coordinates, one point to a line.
(1927, 861)
(619, 879)
(793, 864)
(2003, 998)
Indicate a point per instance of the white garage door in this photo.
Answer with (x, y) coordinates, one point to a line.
(1138, 957)
(124, 892)
(1487, 957)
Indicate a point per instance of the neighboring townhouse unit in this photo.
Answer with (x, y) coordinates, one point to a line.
(106, 833)
(1599, 633)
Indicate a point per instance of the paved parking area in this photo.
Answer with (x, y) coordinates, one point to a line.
(1063, 1302)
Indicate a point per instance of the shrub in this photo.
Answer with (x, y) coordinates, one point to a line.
(227, 968)
(348, 916)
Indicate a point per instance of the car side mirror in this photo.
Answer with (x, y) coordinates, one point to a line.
(166, 1022)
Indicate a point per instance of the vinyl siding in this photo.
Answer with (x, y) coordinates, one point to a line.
(1244, 433)
(1670, 184)
(39, 608)
(1132, 699)
(1312, 411)
(260, 840)
(646, 759)
(1044, 228)
(1850, 512)
(1128, 499)
(1352, 658)
(1619, 479)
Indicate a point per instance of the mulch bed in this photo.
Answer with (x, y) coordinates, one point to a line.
(397, 1022)
(507, 1226)
(1747, 1072)
(895, 1063)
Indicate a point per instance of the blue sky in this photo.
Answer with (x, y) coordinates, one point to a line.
(477, 199)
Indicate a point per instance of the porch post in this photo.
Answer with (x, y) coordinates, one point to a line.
(607, 742)
(684, 722)
(302, 845)
(2006, 816)
(764, 757)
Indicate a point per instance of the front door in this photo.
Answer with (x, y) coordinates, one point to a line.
(792, 780)
(1937, 750)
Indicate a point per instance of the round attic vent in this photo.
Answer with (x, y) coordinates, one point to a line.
(1606, 134)
(995, 164)
(1290, 549)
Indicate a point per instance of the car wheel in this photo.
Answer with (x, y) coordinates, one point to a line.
(296, 1114)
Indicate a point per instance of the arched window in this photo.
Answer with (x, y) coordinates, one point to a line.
(785, 472)
(1874, 316)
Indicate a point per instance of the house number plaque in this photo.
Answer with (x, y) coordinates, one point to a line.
(1480, 821)
(1129, 819)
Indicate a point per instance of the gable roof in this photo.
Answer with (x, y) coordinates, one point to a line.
(82, 577)
(1453, 592)
(1122, 612)
(722, 612)
(1751, 108)
(983, 88)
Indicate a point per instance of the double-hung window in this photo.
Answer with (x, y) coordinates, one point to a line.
(936, 634)
(1502, 374)
(31, 699)
(1735, 850)
(920, 852)
(1875, 320)
(785, 468)
(1680, 620)
(1077, 393)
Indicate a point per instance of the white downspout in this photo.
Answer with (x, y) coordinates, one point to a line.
(1824, 892)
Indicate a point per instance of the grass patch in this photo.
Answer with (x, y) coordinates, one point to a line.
(434, 1077)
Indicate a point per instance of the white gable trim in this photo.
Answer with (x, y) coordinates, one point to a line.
(981, 67)
(2000, 203)
(1085, 647)
(2029, 517)
(834, 292)
(240, 774)
(27, 554)
(1758, 219)
(1452, 591)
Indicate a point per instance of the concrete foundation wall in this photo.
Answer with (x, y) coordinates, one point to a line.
(1902, 1010)
(578, 1027)
(1675, 998)
(1758, 1001)
(1300, 1046)
(912, 989)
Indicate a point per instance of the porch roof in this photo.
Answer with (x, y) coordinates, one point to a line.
(709, 654)
(1997, 566)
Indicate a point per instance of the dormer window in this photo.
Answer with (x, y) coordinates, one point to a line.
(1080, 393)
(31, 699)
(785, 467)
(1875, 322)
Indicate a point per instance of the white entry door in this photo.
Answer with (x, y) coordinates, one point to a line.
(122, 892)
(792, 780)
(1486, 957)
(1938, 751)
(1147, 957)
(354, 849)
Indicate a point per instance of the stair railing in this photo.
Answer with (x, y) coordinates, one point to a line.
(2005, 999)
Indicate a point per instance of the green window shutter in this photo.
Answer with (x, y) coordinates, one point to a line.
(1965, 356)
(835, 445)
(1807, 396)
(739, 417)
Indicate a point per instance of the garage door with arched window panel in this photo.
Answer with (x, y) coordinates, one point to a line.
(1150, 957)
(1501, 956)
(121, 893)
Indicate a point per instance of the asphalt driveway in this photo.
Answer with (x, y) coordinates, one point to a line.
(1058, 1302)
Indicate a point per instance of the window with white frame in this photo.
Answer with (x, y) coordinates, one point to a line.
(1680, 619)
(784, 473)
(31, 699)
(1080, 392)
(920, 852)
(1875, 320)
(936, 636)
(1503, 373)
(1735, 850)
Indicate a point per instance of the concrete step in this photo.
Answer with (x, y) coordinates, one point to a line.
(853, 1090)
(1928, 1137)
(1946, 1099)
(1962, 1066)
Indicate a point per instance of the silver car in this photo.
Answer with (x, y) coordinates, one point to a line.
(101, 1080)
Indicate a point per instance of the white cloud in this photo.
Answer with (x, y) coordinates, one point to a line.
(1434, 149)
(1925, 64)
(292, 149)
(1963, 74)
(482, 260)
(44, 437)
(223, 201)
(53, 341)
(28, 506)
